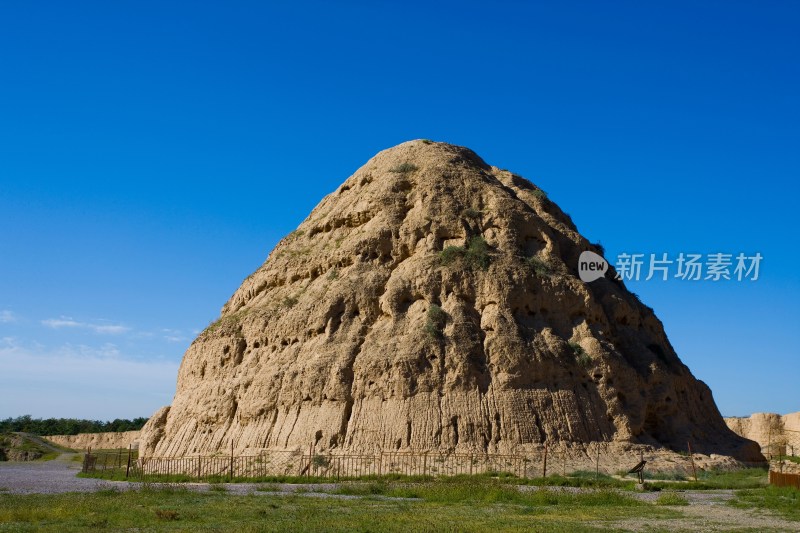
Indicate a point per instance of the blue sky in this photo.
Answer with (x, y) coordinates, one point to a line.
(152, 153)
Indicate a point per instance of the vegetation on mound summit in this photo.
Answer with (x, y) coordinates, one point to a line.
(404, 168)
(581, 356)
(541, 267)
(471, 212)
(435, 321)
(231, 320)
(474, 255)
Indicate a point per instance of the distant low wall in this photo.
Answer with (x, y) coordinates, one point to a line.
(97, 441)
(769, 429)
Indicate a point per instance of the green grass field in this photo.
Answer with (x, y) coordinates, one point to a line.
(784, 501)
(447, 507)
(478, 503)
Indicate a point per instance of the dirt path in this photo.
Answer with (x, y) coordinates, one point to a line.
(709, 516)
(39, 441)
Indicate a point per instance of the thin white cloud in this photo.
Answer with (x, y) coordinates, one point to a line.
(173, 335)
(110, 329)
(68, 322)
(62, 322)
(7, 316)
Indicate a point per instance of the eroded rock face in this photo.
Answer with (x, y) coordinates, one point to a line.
(339, 339)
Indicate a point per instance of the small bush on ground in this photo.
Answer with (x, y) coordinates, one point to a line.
(674, 475)
(166, 514)
(670, 497)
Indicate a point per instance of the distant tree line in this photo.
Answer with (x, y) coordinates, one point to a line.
(68, 426)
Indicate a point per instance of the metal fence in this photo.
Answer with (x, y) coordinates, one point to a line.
(784, 480)
(782, 442)
(298, 464)
(594, 459)
(109, 460)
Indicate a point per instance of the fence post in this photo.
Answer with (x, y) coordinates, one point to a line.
(769, 444)
(230, 475)
(597, 462)
(544, 464)
(128, 468)
(694, 469)
(471, 460)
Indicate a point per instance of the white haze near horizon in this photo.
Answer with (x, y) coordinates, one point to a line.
(78, 381)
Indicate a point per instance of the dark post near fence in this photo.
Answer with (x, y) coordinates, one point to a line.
(597, 463)
(230, 475)
(128, 468)
(310, 457)
(544, 462)
(691, 455)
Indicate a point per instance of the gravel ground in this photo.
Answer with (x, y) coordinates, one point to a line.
(59, 475)
(49, 477)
